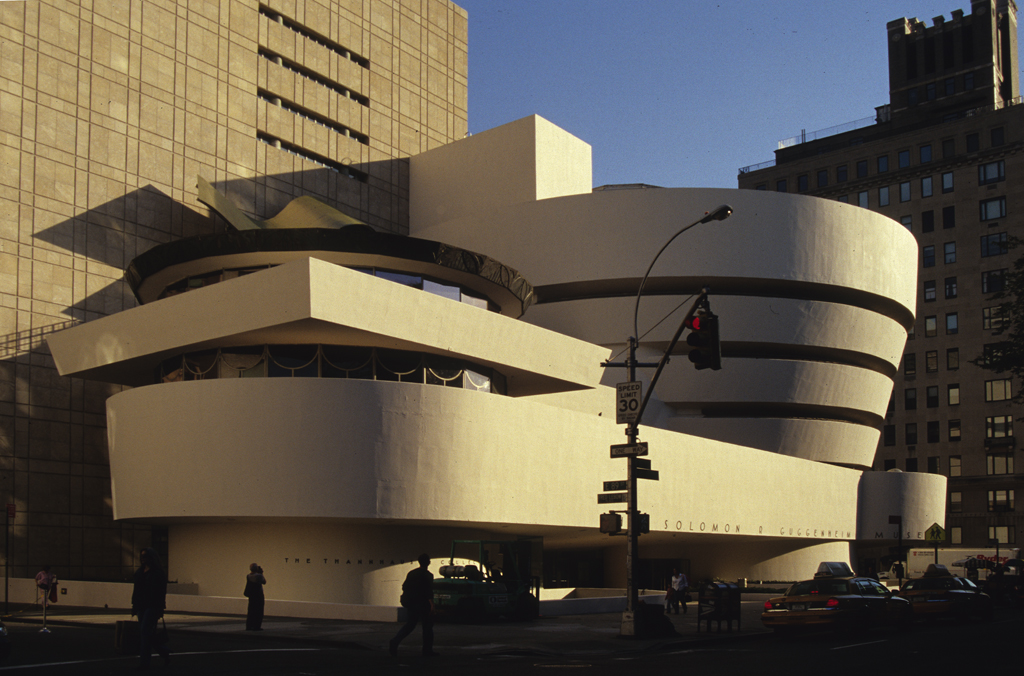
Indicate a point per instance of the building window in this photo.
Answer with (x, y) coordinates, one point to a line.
(888, 464)
(956, 535)
(931, 327)
(952, 323)
(933, 464)
(949, 253)
(948, 217)
(910, 434)
(927, 221)
(842, 173)
(931, 361)
(903, 158)
(883, 196)
(992, 281)
(889, 435)
(999, 463)
(953, 394)
(955, 501)
(954, 463)
(822, 178)
(993, 208)
(926, 153)
(973, 142)
(998, 390)
(929, 291)
(953, 359)
(991, 172)
(948, 148)
(932, 398)
(911, 464)
(910, 399)
(997, 136)
(950, 85)
(862, 199)
(926, 187)
(862, 169)
(1000, 501)
(999, 427)
(845, 199)
(907, 222)
(1004, 534)
(928, 256)
(993, 245)
(883, 164)
(780, 185)
(912, 96)
(995, 318)
(929, 89)
(905, 191)
(947, 182)
(992, 353)
(802, 183)
(909, 364)
(950, 287)
(933, 431)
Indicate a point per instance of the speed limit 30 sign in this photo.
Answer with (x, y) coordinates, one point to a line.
(627, 401)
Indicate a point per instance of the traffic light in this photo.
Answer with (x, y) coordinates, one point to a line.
(611, 523)
(706, 352)
(643, 523)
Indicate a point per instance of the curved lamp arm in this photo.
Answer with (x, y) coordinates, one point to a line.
(719, 214)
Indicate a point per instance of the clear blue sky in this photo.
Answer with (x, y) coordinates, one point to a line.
(682, 93)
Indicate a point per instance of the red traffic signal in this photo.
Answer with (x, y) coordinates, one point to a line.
(704, 339)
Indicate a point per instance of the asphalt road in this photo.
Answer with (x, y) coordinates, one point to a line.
(942, 648)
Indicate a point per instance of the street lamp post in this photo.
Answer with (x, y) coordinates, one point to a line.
(628, 627)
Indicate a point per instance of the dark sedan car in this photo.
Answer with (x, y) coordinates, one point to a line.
(939, 593)
(835, 598)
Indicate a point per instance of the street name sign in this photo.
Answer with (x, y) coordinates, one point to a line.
(616, 485)
(651, 474)
(626, 450)
(607, 498)
(627, 401)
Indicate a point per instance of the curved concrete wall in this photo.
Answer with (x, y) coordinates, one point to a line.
(813, 298)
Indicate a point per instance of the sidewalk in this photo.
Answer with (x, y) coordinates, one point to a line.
(565, 635)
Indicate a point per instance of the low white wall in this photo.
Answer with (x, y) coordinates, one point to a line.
(90, 594)
(182, 598)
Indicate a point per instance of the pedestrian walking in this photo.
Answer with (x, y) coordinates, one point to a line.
(418, 599)
(149, 599)
(677, 595)
(254, 582)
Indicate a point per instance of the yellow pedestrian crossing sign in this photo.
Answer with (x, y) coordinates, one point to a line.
(935, 533)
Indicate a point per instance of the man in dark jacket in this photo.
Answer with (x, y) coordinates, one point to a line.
(149, 598)
(418, 599)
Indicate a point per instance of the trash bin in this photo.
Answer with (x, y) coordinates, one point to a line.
(718, 602)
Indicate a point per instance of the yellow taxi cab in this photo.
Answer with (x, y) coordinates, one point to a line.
(939, 593)
(835, 598)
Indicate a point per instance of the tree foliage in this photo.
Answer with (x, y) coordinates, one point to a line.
(1007, 356)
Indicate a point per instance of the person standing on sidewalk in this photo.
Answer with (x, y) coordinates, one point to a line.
(149, 598)
(418, 599)
(679, 586)
(254, 582)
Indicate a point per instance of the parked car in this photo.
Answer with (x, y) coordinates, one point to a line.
(835, 598)
(5, 642)
(939, 593)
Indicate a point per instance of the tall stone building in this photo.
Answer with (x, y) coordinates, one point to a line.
(108, 113)
(943, 157)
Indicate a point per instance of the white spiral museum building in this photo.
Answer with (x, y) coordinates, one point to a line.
(331, 401)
